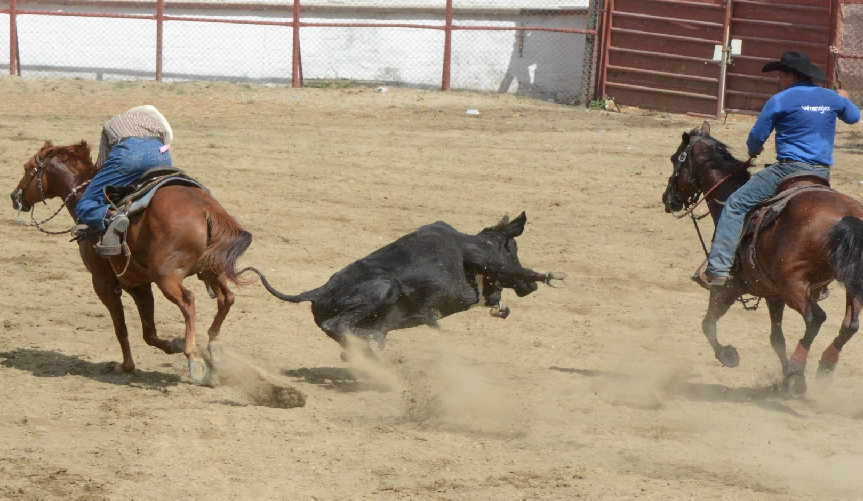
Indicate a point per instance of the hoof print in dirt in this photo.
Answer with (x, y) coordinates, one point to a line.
(279, 397)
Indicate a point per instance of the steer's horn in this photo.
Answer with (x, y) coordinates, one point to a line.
(554, 275)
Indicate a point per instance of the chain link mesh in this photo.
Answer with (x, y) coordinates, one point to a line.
(850, 64)
(496, 55)
(100, 48)
(541, 64)
(386, 55)
(227, 51)
(4, 39)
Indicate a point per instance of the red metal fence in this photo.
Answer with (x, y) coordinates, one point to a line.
(676, 55)
(442, 18)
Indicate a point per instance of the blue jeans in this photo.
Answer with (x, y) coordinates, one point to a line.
(759, 188)
(127, 161)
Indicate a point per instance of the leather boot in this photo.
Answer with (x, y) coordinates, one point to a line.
(111, 243)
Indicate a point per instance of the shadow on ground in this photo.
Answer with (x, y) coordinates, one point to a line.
(767, 397)
(44, 363)
(335, 378)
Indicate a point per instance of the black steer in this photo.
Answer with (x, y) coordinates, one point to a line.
(421, 277)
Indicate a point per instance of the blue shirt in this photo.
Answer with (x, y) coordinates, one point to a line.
(804, 116)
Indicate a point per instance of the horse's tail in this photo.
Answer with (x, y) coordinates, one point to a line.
(226, 242)
(299, 298)
(846, 253)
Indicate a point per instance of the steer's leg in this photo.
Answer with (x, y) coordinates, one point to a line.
(370, 301)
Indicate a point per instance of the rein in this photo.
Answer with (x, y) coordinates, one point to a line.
(38, 224)
(746, 302)
(692, 207)
(37, 176)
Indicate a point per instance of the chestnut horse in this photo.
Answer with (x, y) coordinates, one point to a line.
(816, 239)
(184, 231)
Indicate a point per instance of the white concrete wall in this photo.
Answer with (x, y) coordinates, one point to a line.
(541, 64)
(4, 42)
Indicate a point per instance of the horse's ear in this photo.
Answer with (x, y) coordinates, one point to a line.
(705, 128)
(47, 144)
(516, 226)
(685, 137)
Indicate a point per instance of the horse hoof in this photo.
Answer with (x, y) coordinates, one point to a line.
(728, 356)
(177, 345)
(825, 370)
(214, 352)
(795, 384)
(119, 368)
(501, 312)
(198, 371)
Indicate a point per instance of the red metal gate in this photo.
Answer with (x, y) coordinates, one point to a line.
(767, 29)
(657, 54)
(668, 54)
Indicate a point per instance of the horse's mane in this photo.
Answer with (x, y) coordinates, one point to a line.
(73, 155)
(720, 153)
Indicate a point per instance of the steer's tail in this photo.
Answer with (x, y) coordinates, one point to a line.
(299, 298)
(846, 253)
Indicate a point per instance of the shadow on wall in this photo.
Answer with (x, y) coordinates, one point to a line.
(542, 63)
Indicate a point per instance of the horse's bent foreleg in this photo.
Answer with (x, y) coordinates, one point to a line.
(109, 294)
(777, 337)
(143, 296)
(172, 287)
(721, 298)
(850, 324)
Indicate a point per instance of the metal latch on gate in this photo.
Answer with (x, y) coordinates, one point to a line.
(721, 53)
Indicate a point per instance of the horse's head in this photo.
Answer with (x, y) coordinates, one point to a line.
(49, 172)
(698, 164)
(502, 237)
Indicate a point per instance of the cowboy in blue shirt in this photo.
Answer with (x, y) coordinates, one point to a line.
(804, 117)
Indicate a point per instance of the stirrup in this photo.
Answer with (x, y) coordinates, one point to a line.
(707, 280)
(111, 243)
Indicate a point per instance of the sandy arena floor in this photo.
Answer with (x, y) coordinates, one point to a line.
(604, 389)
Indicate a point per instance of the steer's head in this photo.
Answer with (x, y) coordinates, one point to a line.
(503, 259)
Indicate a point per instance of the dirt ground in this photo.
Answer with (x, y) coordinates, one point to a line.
(602, 389)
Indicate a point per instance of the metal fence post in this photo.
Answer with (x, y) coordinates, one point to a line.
(602, 74)
(447, 48)
(14, 62)
(726, 51)
(160, 20)
(296, 59)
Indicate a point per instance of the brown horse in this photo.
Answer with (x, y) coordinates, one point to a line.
(816, 239)
(183, 232)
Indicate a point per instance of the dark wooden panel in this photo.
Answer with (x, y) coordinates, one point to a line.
(647, 98)
(745, 83)
(663, 81)
(660, 51)
(767, 29)
(651, 24)
(749, 65)
(764, 29)
(668, 44)
(736, 101)
(696, 11)
(663, 62)
(784, 13)
(773, 49)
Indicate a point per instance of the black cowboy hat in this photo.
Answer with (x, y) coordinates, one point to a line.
(796, 62)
